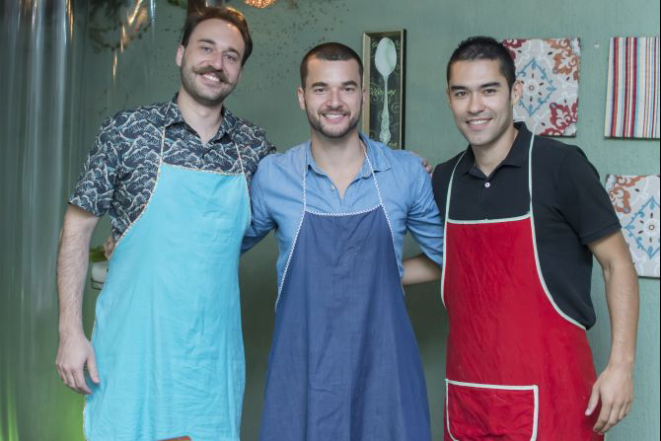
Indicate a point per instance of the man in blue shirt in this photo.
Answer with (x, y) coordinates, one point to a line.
(344, 363)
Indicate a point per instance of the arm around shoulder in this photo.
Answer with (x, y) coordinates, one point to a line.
(424, 223)
(420, 269)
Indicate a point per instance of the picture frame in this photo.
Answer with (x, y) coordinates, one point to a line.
(384, 62)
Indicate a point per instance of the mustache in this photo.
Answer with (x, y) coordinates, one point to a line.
(208, 69)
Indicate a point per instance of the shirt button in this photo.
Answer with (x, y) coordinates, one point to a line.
(487, 184)
(332, 187)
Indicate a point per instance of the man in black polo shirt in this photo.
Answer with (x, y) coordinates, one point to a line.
(523, 217)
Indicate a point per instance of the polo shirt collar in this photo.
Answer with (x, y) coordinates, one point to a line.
(517, 156)
(377, 157)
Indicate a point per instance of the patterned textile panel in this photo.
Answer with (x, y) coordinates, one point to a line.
(636, 201)
(549, 71)
(632, 106)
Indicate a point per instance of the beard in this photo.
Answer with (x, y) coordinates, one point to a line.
(333, 132)
(205, 96)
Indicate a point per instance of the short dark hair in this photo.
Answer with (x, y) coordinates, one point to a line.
(330, 52)
(225, 13)
(484, 48)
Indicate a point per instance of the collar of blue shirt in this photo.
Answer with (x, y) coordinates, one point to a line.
(379, 161)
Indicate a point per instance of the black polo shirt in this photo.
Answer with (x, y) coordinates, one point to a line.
(571, 209)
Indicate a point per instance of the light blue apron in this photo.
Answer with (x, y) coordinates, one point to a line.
(167, 334)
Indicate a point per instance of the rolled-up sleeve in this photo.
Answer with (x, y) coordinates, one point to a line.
(96, 184)
(424, 219)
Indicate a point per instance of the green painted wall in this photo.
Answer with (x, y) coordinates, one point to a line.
(146, 72)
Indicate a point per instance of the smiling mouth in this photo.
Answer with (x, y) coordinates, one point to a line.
(213, 77)
(333, 116)
(478, 123)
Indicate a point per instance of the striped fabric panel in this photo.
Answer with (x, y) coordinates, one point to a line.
(632, 107)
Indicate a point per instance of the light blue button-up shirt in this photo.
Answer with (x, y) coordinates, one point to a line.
(277, 198)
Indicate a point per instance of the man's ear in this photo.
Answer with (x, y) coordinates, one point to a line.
(180, 55)
(300, 92)
(517, 91)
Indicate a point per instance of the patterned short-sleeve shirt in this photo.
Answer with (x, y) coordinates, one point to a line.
(120, 172)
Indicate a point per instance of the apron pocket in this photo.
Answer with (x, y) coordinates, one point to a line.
(476, 411)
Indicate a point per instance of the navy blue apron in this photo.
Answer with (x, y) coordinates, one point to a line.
(344, 364)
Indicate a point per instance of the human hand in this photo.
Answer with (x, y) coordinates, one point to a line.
(614, 388)
(425, 163)
(427, 166)
(109, 247)
(73, 352)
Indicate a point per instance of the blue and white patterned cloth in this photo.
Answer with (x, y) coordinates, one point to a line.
(121, 170)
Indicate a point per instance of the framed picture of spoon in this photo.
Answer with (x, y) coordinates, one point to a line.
(384, 62)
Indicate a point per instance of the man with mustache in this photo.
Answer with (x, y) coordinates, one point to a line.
(166, 358)
(524, 216)
(344, 362)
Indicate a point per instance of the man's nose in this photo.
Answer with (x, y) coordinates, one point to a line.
(216, 61)
(334, 99)
(476, 104)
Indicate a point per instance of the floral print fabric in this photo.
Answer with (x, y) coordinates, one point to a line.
(636, 202)
(549, 71)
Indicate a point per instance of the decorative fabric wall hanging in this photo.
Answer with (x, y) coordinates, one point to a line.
(636, 201)
(549, 71)
(632, 106)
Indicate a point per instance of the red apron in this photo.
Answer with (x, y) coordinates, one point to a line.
(518, 368)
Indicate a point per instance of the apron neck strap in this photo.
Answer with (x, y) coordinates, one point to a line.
(449, 194)
(532, 142)
(167, 112)
(376, 183)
